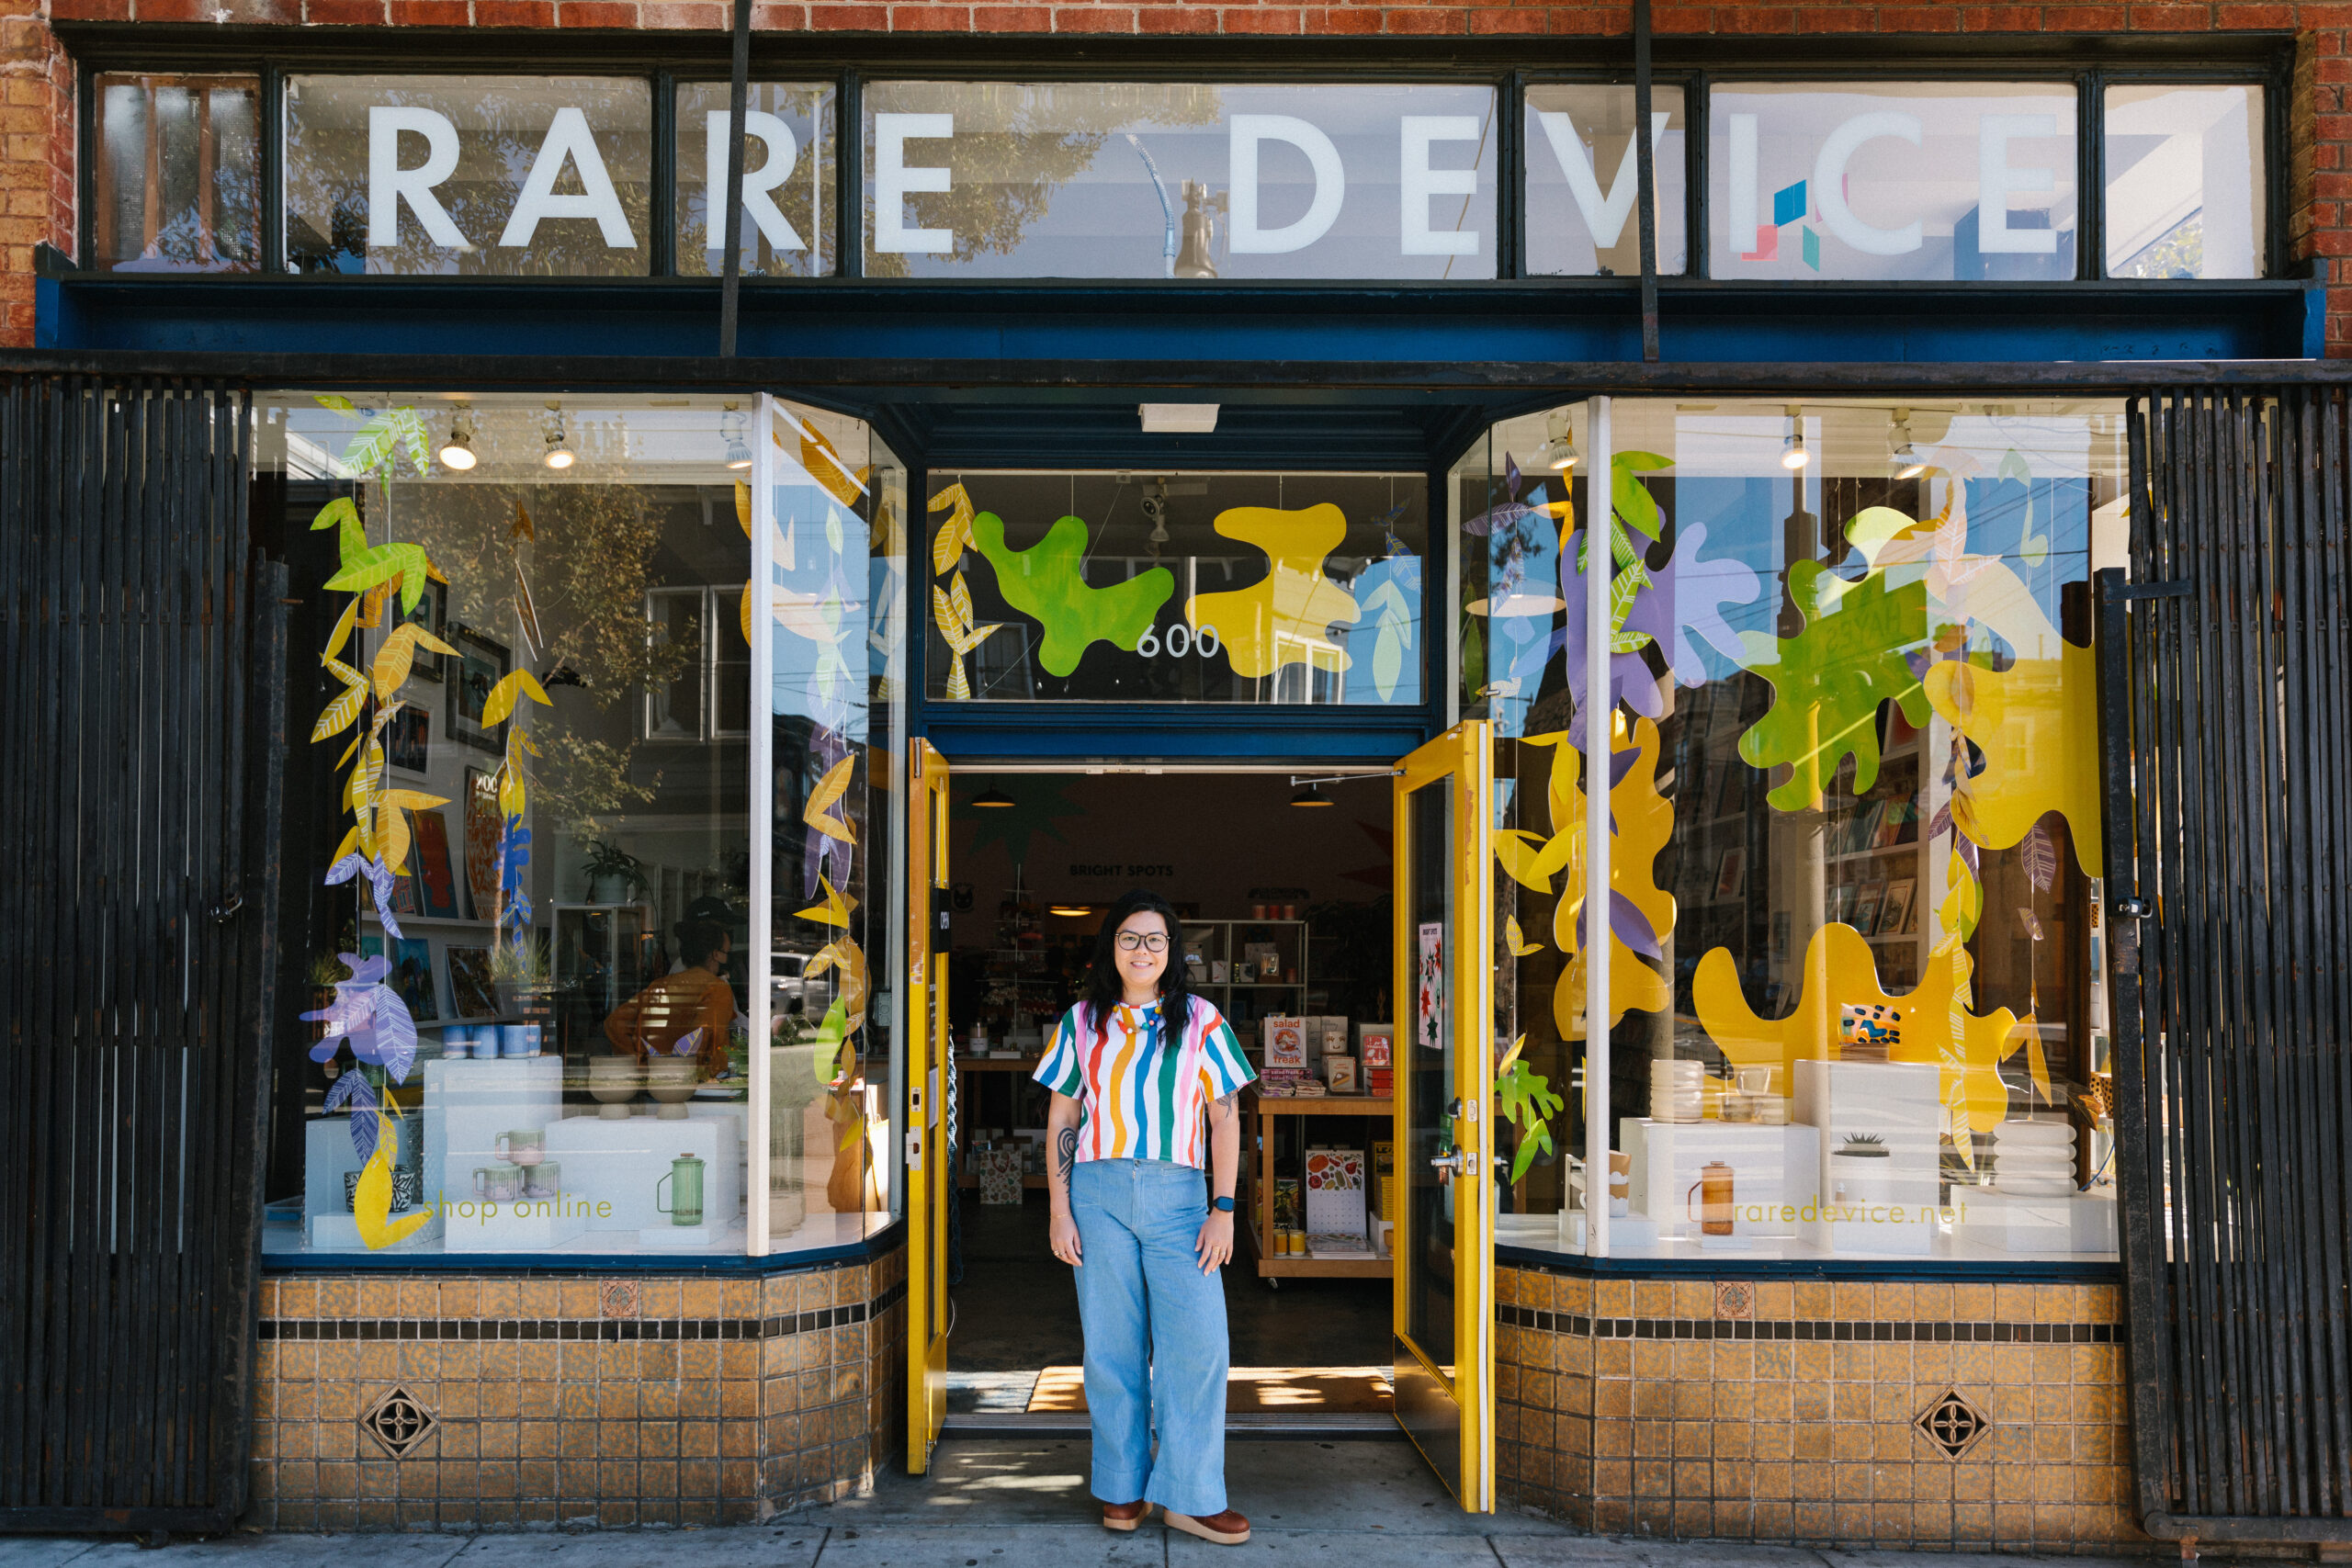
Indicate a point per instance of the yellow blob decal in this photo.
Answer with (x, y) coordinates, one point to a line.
(1643, 824)
(1285, 619)
(1934, 1023)
(371, 1201)
(2037, 726)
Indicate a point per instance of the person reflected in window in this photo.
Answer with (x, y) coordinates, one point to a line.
(1144, 1078)
(696, 1000)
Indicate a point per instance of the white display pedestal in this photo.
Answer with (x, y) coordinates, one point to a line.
(467, 1102)
(327, 1158)
(615, 1166)
(1774, 1172)
(2083, 1222)
(1883, 1204)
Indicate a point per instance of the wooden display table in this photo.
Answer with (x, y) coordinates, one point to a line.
(1261, 1205)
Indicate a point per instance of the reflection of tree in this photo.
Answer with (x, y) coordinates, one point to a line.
(1039, 139)
(500, 130)
(587, 552)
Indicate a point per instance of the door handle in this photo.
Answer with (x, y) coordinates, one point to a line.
(1461, 1162)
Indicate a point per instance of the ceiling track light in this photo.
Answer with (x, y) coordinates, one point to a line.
(1793, 454)
(739, 451)
(560, 454)
(1559, 452)
(1902, 459)
(457, 452)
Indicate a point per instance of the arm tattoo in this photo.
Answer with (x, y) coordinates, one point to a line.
(1065, 1154)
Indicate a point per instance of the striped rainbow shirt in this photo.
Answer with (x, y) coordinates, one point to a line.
(1143, 1102)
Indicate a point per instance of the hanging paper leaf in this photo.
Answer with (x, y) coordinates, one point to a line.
(341, 1090)
(744, 507)
(833, 910)
(1520, 947)
(334, 400)
(954, 535)
(371, 1205)
(2032, 922)
(1516, 851)
(497, 706)
(341, 632)
(395, 1033)
(1631, 499)
(340, 713)
(351, 539)
(1941, 823)
(394, 660)
(372, 603)
(824, 464)
(2038, 854)
(366, 1118)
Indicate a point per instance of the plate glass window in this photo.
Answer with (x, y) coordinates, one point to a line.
(1856, 999)
(1582, 215)
(541, 177)
(178, 174)
(1175, 587)
(1191, 181)
(788, 180)
(1930, 181)
(2184, 181)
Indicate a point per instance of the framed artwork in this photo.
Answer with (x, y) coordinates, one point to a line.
(1895, 914)
(1866, 906)
(413, 977)
(480, 665)
(438, 888)
(1731, 874)
(470, 994)
(1837, 903)
(408, 740)
(432, 614)
(1429, 992)
(481, 841)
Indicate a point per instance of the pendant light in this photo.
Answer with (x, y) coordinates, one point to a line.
(1311, 796)
(457, 452)
(739, 452)
(993, 800)
(1902, 459)
(1559, 453)
(1793, 456)
(560, 454)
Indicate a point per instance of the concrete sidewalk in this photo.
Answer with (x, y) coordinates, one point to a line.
(1022, 1503)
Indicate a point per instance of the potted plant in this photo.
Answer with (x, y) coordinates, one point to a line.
(1860, 1173)
(612, 872)
(518, 973)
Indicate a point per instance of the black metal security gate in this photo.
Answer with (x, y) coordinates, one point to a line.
(2227, 731)
(141, 655)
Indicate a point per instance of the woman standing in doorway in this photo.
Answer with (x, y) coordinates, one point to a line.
(1136, 1068)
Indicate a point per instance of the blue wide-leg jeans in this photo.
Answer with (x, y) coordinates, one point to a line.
(1156, 1342)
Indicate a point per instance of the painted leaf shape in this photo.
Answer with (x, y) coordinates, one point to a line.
(1520, 947)
(340, 713)
(817, 813)
(825, 466)
(342, 516)
(1516, 851)
(342, 631)
(516, 685)
(832, 911)
(394, 660)
(2039, 855)
(1830, 680)
(1047, 581)
(954, 535)
(1631, 499)
(395, 1033)
(371, 1205)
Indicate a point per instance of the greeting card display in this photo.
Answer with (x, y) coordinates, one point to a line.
(1335, 1192)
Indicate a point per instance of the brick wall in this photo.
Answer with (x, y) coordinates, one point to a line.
(36, 166)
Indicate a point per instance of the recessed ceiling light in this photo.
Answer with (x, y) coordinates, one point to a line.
(1178, 419)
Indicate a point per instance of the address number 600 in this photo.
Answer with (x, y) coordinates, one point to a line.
(1179, 640)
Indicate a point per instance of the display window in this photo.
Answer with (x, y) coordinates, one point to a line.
(579, 994)
(1855, 1002)
(1178, 587)
(1581, 163)
(176, 182)
(2186, 186)
(789, 177)
(1895, 180)
(1191, 180)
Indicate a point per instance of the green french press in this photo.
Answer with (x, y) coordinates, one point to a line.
(684, 1207)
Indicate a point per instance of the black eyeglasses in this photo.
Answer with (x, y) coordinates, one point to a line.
(1152, 941)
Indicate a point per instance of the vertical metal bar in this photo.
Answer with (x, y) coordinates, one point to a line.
(761, 716)
(1593, 725)
(739, 93)
(1646, 187)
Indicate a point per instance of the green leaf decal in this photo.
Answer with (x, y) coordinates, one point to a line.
(1045, 581)
(351, 539)
(1628, 497)
(1829, 679)
(1524, 1096)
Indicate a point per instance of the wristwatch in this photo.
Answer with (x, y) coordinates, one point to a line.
(1224, 1205)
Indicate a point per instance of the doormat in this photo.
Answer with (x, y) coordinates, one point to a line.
(1264, 1391)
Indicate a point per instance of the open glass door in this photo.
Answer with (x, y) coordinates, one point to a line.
(1444, 1245)
(928, 1190)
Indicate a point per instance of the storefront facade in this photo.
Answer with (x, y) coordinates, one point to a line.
(1146, 403)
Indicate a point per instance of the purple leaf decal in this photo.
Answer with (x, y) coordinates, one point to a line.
(343, 1087)
(1686, 597)
(379, 879)
(363, 1118)
(1630, 926)
(687, 1044)
(395, 1033)
(1941, 823)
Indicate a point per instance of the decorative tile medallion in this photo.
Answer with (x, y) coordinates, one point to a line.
(1953, 1425)
(398, 1422)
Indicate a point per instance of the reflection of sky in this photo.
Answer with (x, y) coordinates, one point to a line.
(820, 575)
(1106, 220)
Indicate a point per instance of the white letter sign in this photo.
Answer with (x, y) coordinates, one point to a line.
(1246, 131)
(894, 182)
(1418, 184)
(1830, 183)
(1605, 216)
(783, 152)
(388, 185)
(569, 140)
(1995, 180)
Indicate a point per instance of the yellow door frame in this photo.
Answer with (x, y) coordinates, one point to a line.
(928, 1190)
(1464, 755)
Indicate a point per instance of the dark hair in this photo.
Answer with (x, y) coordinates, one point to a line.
(697, 940)
(1103, 986)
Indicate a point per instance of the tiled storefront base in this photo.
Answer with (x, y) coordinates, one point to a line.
(1789, 1412)
(622, 1400)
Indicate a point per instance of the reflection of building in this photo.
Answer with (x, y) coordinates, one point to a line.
(1861, 836)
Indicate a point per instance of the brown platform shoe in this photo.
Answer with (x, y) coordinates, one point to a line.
(1125, 1515)
(1227, 1528)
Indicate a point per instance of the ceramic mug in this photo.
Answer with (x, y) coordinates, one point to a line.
(544, 1179)
(500, 1183)
(458, 1040)
(524, 1146)
(518, 1038)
